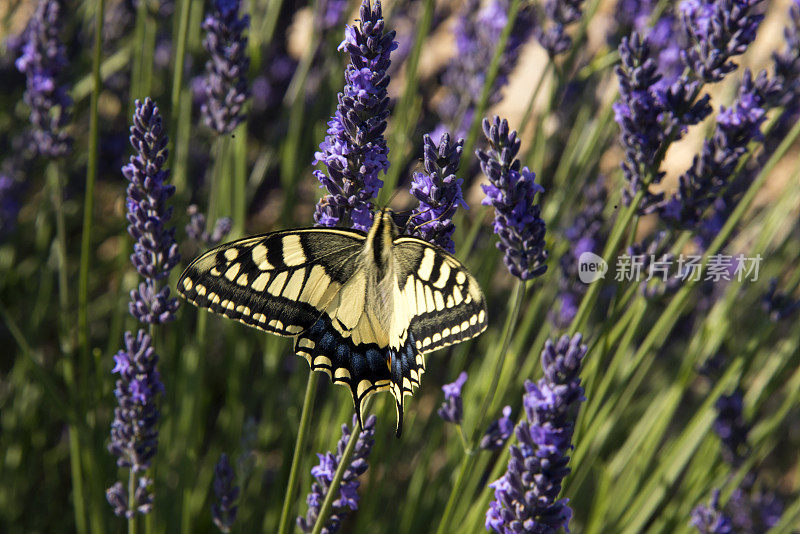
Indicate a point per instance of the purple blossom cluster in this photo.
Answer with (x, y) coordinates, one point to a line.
(42, 61)
(438, 191)
(452, 409)
(512, 192)
(348, 491)
(750, 508)
(712, 169)
(477, 32)
(499, 431)
(718, 30)
(225, 82)
(778, 304)
(134, 432)
(551, 32)
(354, 151)
(330, 14)
(526, 496)
(155, 252)
(197, 231)
(223, 512)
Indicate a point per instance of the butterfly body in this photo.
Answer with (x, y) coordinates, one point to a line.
(364, 308)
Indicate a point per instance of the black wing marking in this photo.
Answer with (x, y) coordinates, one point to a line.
(278, 282)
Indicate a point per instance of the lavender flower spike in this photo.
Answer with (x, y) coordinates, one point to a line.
(452, 409)
(718, 30)
(710, 519)
(155, 252)
(560, 14)
(498, 432)
(526, 497)
(224, 511)
(348, 491)
(226, 71)
(42, 61)
(354, 151)
(134, 433)
(512, 192)
(438, 191)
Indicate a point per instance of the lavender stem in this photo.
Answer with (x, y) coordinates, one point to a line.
(286, 524)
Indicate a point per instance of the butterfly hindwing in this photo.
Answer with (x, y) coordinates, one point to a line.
(443, 301)
(278, 282)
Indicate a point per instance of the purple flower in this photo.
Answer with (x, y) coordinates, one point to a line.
(438, 191)
(787, 70)
(196, 229)
(526, 496)
(117, 497)
(452, 409)
(348, 491)
(731, 427)
(42, 61)
(718, 30)
(778, 304)
(134, 432)
(330, 14)
(224, 510)
(498, 432)
(512, 192)
(155, 252)
(558, 15)
(710, 519)
(477, 32)
(354, 151)
(226, 71)
(712, 169)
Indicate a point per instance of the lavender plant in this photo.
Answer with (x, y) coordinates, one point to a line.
(323, 472)
(134, 431)
(225, 83)
(43, 61)
(354, 151)
(512, 192)
(551, 29)
(438, 191)
(223, 512)
(452, 409)
(526, 496)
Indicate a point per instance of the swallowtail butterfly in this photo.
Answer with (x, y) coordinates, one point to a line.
(363, 308)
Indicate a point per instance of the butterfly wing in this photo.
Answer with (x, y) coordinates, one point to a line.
(438, 304)
(279, 282)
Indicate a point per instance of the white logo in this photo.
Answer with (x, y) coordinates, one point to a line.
(591, 267)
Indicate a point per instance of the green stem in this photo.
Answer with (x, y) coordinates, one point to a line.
(88, 204)
(469, 458)
(131, 498)
(177, 83)
(302, 438)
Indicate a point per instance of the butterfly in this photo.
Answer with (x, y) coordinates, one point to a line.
(364, 308)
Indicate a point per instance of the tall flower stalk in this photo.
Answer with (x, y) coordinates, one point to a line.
(225, 94)
(526, 496)
(134, 431)
(438, 191)
(512, 191)
(354, 151)
(319, 520)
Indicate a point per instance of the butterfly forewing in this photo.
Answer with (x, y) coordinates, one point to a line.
(278, 282)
